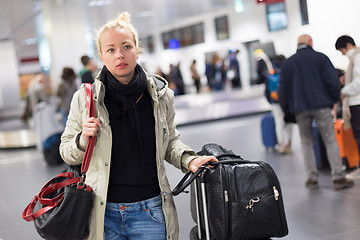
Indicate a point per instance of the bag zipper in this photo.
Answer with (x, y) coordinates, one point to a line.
(227, 203)
(272, 179)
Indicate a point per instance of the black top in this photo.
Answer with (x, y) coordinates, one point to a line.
(130, 179)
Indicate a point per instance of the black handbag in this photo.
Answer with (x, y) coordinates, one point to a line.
(61, 209)
(235, 198)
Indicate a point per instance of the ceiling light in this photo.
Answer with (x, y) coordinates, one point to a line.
(239, 6)
(98, 3)
(30, 41)
(145, 14)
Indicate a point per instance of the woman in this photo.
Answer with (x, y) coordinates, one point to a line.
(195, 75)
(135, 133)
(66, 91)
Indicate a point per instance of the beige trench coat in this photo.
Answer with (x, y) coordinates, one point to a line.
(168, 147)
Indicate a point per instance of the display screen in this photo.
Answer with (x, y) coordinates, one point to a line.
(182, 37)
(276, 16)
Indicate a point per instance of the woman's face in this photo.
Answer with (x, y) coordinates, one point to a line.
(119, 53)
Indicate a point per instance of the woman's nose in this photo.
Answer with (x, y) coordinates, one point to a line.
(120, 55)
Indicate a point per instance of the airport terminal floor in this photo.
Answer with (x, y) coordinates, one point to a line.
(311, 214)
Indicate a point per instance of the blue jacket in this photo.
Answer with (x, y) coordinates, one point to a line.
(308, 81)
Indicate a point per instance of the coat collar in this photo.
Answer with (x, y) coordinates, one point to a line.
(303, 46)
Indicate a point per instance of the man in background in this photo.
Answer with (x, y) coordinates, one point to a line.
(89, 69)
(350, 93)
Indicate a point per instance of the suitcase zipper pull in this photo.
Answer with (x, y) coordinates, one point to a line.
(276, 193)
(226, 196)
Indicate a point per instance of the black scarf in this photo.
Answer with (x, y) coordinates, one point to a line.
(120, 100)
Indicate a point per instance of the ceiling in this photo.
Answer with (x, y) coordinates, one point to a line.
(18, 17)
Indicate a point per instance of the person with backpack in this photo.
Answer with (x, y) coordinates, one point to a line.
(283, 126)
(283, 129)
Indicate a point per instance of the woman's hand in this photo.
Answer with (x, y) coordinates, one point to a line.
(90, 127)
(201, 160)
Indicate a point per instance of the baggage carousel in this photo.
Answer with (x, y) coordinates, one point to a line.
(190, 109)
(14, 132)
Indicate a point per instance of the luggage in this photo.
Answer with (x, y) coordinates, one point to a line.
(268, 133)
(51, 150)
(348, 147)
(48, 130)
(322, 161)
(236, 199)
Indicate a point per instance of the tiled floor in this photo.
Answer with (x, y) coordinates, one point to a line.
(317, 214)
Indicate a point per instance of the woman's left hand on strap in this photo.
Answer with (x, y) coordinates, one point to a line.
(200, 160)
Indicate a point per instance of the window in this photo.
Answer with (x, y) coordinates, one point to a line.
(222, 28)
(304, 12)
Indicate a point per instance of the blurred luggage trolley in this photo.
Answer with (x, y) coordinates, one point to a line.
(48, 129)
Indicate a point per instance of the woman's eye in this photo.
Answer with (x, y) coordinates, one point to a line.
(127, 47)
(110, 50)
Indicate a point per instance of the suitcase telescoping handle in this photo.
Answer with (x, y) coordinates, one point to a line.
(190, 176)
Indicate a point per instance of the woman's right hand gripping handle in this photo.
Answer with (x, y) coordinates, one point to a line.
(90, 127)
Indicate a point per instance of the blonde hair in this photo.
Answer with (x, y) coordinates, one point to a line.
(122, 21)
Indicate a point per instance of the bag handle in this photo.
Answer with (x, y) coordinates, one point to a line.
(184, 183)
(190, 176)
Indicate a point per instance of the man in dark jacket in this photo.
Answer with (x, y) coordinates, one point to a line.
(308, 88)
(90, 68)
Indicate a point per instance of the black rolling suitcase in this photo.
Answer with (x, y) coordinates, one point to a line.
(51, 150)
(235, 199)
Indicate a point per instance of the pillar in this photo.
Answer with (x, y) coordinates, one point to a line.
(9, 77)
(67, 33)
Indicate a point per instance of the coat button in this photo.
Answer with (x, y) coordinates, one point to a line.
(106, 164)
(101, 203)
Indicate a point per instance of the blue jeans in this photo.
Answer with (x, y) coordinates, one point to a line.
(135, 221)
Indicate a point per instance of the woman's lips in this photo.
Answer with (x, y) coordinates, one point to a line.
(121, 65)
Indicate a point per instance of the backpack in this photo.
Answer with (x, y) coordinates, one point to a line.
(273, 85)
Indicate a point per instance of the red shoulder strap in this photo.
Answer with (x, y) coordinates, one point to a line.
(91, 113)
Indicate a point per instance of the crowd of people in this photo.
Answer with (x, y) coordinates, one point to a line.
(310, 90)
(218, 73)
(40, 89)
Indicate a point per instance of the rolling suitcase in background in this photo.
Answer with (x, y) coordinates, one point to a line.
(268, 133)
(236, 199)
(348, 147)
(322, 161)
(51, 150)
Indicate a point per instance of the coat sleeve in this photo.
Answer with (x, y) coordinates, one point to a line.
(71, 148)
(177, 153)
(354, 87)
(331, 79)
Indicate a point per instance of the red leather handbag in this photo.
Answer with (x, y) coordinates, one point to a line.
(62, 208)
